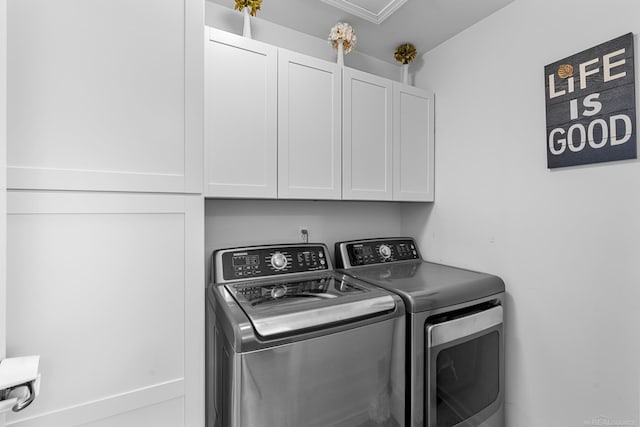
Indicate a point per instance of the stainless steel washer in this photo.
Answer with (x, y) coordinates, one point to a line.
(455, 332)
(292, 343)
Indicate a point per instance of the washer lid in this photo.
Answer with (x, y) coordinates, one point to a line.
(427, 286)
(282, 307)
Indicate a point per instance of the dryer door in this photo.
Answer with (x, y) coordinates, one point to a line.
(465, 369)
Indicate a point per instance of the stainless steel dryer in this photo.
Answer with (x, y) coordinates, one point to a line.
(455, 332)
(292, 343)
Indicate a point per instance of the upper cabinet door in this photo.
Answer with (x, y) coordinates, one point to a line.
(366, 136)
(105, 95)
(241, 139)
(413, 144)
(309, 127)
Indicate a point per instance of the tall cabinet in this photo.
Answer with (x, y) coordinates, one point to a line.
(105, 211)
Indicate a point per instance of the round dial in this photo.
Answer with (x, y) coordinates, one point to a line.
(385, 251)
(278, 261)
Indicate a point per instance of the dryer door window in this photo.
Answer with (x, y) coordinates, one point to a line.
(464, 370)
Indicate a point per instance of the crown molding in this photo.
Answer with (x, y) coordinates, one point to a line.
(357, 8)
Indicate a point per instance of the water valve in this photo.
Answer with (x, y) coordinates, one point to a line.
(304, 233)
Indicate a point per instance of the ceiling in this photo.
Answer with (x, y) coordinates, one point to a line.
(425, 23)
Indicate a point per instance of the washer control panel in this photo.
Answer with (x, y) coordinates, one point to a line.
(263, 261)
(375, 251)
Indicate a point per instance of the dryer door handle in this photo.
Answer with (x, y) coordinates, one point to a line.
(445, 332)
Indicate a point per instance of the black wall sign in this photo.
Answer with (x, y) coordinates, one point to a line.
(591, 105)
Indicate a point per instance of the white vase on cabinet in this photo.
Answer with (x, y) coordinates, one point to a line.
(340, 53)
(405, 74)
(246, 22)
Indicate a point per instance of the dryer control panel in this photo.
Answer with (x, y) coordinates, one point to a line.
(375, 251)
(264, 261)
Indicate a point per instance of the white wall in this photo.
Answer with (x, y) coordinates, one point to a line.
(228, 19)
(230, 223)
(567, 241)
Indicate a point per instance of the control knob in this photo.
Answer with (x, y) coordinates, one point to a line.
(278, 261)
(385, 251)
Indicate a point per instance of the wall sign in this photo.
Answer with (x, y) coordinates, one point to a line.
(591, 105)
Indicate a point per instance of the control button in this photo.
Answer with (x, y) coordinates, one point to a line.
(385, 251)
(278, 261)
(320, 254)
(322, 262)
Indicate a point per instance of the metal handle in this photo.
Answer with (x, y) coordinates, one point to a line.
(30, 397)
(16, 373)
(5, 395)
(442, 333)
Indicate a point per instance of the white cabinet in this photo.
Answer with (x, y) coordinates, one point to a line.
(309, 127)
(413, 144)
(240, 117)
(106, 283)
(108, 289)
(388, 140)
(366, 136)
(105, 95)
(280, 124)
